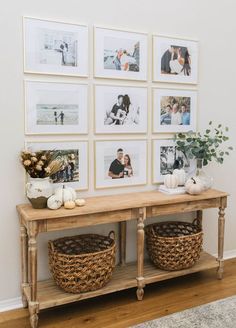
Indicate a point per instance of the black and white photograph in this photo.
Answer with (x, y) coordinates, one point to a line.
(56, 108)
(55, 47)
(175, 60)
(166, 158)
(74, 158)
(120, 109)
(120, 54)
(120, 163)
(174, 110)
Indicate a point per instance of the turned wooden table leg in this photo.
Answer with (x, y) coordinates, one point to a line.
(140, 253)
(32, 254)
(199, 217)
(122, 228)
(24, 263)
(221, 231)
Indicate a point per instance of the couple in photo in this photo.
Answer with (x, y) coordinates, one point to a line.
(175, 115)
(60, 117)
(122, 112)
(176, 60)
(125, 61)
(121, 166)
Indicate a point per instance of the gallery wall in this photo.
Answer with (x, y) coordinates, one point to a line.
(194, 19)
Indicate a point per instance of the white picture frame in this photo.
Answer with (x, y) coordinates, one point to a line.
(78, 179)
(175, 60)
(55, 108)
(131, 109)
(120, 54)
(131, 174)
(163, 158)
(53, 47)
(174, 110)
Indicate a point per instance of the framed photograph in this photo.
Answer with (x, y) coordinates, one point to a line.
(120, 109)
(55, 47)
(166, 158)
(120, 163)
(174, 110)
(120, 54)
(56, 108)
(74, 155)
(175, 60)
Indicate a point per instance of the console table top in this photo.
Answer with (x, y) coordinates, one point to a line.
(101, 204)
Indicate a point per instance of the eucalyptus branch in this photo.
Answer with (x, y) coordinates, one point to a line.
(207, 146)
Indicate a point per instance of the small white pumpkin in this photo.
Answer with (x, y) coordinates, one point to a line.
(66, 194)
(171, 181)
(69, 205)
(180, 173)
(194, 186)
(80, 202)
(54, 202)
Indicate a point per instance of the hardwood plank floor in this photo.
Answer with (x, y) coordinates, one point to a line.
(122, 310)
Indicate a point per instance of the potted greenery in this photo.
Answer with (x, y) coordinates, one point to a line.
(204, 147)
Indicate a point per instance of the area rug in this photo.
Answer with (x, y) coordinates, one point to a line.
(219, 314)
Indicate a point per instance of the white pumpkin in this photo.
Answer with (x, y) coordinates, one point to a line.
(54, 202)
(69, 205)
(194, 186)
(180, 173)
(80, 202)
(171, 181)
(66, 194)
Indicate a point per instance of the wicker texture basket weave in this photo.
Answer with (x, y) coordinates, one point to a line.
(174, 245)
(82, 263)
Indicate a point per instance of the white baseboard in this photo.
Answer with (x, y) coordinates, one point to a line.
(228, 254)
(10, 304)
(15, 303)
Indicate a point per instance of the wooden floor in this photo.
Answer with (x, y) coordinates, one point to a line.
(122, 310)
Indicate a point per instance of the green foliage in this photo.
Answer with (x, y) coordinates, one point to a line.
(207, 146)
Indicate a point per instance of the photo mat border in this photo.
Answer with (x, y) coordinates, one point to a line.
(64, 141)
(118, 186)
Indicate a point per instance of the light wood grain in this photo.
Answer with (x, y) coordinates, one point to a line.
(107, 209)
(121, 310)
(49, 295)
(122, 241)
(103, 204)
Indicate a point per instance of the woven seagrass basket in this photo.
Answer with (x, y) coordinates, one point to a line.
(82, 263)
(174, 245)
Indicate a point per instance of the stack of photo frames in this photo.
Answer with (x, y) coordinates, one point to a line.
(120, 122)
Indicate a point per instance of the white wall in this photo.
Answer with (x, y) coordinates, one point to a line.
(211, 22)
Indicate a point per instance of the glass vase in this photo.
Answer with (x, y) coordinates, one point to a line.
(205, 179)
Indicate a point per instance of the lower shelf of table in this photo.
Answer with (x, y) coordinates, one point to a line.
(124, 277)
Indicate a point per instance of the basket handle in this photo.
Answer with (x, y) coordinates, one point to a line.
(50, 244)
(197, 223)
(112, 234)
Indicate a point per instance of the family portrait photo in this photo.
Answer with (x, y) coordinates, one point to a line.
(174, 110)
(175, 60)
(167, 158)
(120, 54)
(120, 109)
(54, 107)
(74, 158)
(120, 163)
(55, 48)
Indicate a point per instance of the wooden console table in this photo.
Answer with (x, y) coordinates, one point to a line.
(106, 209)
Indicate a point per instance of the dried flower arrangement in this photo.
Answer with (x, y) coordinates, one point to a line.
(41, 164)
